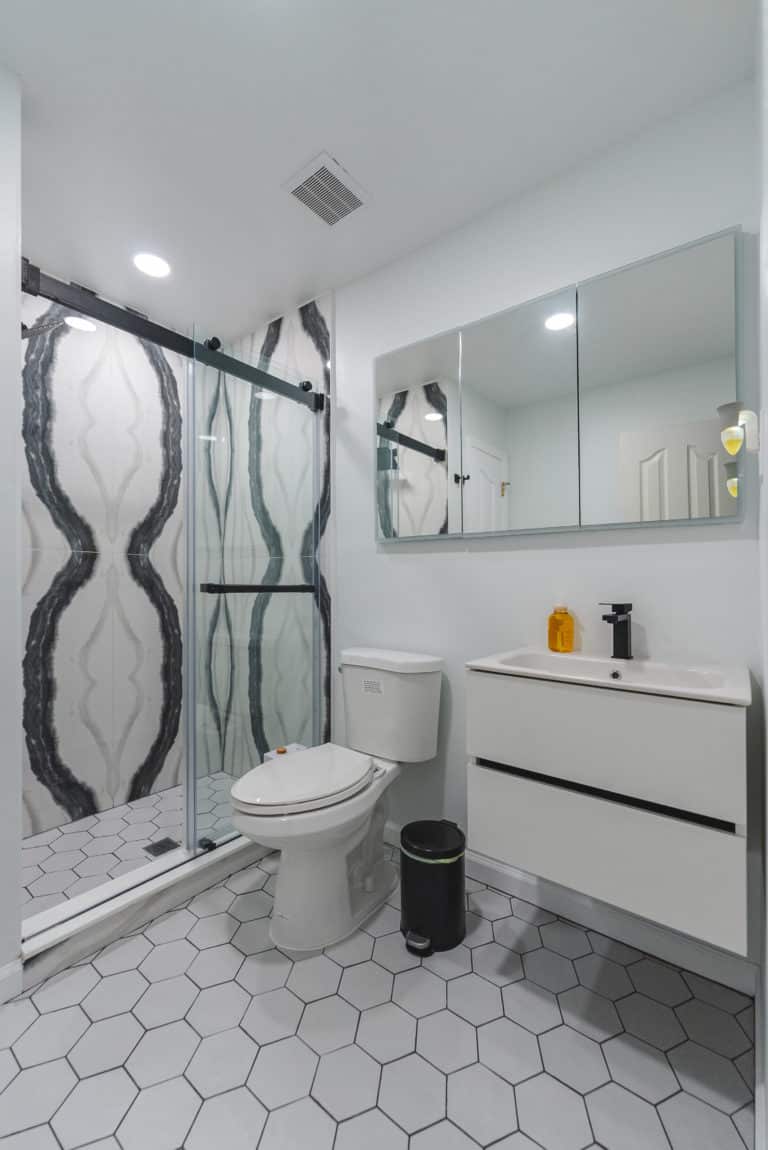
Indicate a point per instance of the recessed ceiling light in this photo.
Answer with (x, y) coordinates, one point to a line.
(433, 416)
(79, 323)
(560, 321)
(151, 265)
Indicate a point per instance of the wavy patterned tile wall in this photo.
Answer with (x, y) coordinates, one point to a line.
(104, 561)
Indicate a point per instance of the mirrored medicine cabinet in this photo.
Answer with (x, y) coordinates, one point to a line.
(596, 405)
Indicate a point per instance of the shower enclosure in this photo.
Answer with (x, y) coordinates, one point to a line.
(175, 608)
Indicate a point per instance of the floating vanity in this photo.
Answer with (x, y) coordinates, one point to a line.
(623, 780)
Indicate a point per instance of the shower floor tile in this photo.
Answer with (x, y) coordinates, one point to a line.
(66, 861)
(541, 1035)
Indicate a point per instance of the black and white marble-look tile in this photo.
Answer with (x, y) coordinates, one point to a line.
(103, 569)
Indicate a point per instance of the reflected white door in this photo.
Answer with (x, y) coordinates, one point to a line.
(674, 471)
(485, 503)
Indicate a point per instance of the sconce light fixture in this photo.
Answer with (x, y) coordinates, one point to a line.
(732, 478)
(738, 428)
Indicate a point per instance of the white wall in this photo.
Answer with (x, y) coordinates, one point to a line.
(10, 567)
(695, 589)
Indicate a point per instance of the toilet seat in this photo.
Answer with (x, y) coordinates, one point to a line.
(303, 781)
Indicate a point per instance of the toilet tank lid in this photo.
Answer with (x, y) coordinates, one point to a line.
(402, 662)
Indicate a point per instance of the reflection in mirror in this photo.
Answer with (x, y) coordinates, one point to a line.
(657, 357)
(417, 440)
(519, 418)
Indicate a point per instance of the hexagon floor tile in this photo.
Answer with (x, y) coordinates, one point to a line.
(197, 1032)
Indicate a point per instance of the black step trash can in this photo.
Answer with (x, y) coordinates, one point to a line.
(432, 886)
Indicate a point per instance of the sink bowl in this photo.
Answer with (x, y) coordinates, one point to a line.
(713, 684)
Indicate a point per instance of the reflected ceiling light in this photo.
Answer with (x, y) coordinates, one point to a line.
(151, 265)
(433, 416)
(732, 478)
(560, 321)
(79, 323)
(738, 428)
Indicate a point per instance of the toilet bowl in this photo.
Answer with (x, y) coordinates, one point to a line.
(325, 808)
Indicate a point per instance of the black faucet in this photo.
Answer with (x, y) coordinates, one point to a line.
(620, 619)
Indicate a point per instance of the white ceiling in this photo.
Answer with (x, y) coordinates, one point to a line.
(171, 125)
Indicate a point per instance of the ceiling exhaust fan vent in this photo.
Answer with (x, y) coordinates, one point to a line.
(326, 189)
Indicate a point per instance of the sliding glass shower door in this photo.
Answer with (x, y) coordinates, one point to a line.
(253, 615)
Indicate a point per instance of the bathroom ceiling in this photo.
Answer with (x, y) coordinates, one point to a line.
(172, 127)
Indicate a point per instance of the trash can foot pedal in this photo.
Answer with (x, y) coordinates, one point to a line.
(417, 944)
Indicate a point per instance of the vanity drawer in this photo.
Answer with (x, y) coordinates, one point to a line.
(687, 877)
(685, 754)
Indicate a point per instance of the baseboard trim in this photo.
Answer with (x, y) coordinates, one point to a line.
(71, 941)
(11, 980)
(679, 949)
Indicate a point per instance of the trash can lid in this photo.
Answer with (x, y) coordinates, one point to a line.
(432, 839)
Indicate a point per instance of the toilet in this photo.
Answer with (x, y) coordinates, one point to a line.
(325, 808)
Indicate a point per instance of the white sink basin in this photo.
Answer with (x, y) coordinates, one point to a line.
(714, 684)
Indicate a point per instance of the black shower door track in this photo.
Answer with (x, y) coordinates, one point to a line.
(85, 302)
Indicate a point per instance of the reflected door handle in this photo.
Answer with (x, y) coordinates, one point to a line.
(459, 478)
(504, 486)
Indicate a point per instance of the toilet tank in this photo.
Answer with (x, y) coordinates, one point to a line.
(391, 703)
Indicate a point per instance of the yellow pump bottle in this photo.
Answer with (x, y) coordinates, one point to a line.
(560, 630)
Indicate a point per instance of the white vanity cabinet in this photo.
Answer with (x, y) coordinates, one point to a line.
(633, 797)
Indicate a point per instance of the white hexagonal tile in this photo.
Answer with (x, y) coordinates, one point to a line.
(114, 995)
(419, 992)
(746, 1020)
(482, 1104)
(15, 1018)
(551, 970)
(357, 948)
(218, 964)
(449, 964)
(499, 965)
(222, 1062)
(171, 927)
(691, 1125)
(509, 1050)
(474, 999)
(659, 981)
(710, 1077)
(447, 1041)
(516, 934)
(168, 960)
(745, 1124)
(34, 1096)
(66, 989)
(609, 948)
(641, 1068)
(65, 860)
(283, 1072)
(589, 1013)
(160, 1117)
(234, 1121)
(267, 970)
(552, 1114)
(573, 1058)
(716, 994)
(328, 1024)
(105, 1045)
(412, 1093)
(314, 978)
(346, 1083)
(9, 1068)
(255, 904)
(163, 1053)
(386, 1032)
(391, 952)
(51, 1036)
(367, 984)
(566, 939)
(254, 937)
(41, 1138)
(218, 1008)
(214, 930)
(74, 840)
(489, 904)
(165, 1001)
(530, 913)
(243, 881)
(603, 976)
(302, 1124)
(478, 930)
(273, 1016)
(622, 1120)
(372, 1130)
(445, 1136)
(712, 1028)
(102, 846)
(386, 920)
(215, 900)
(94, 1109)
(125, 954)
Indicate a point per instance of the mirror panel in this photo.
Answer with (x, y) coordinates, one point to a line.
(519, 418)
(418, 440)
(657, 356)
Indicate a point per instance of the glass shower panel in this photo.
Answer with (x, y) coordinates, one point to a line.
(255, 620)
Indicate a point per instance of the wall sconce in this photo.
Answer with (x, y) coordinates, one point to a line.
(738, 428)
(732, 478)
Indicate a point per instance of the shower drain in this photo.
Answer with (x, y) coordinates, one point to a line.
(161, 847)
